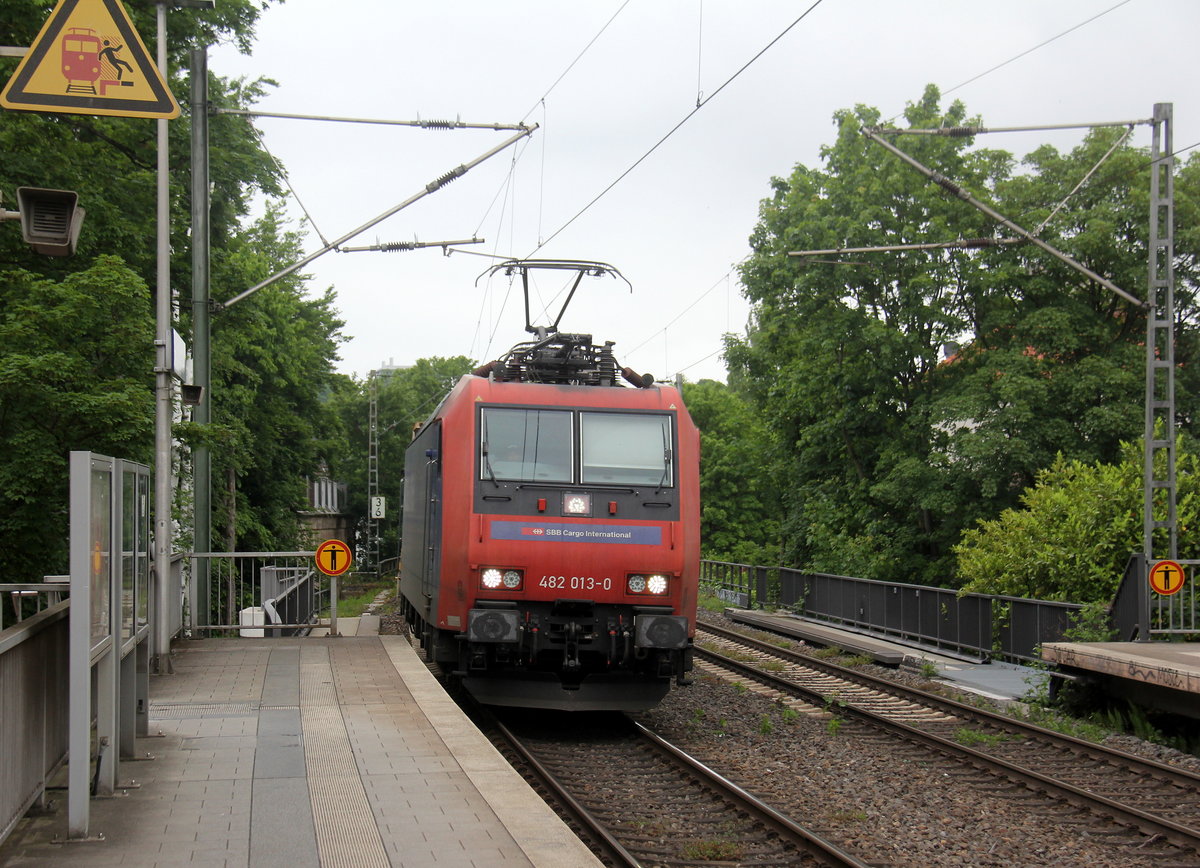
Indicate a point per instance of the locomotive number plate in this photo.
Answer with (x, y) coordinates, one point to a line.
(576, 583)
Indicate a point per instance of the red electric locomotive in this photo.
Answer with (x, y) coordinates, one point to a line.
(551, 527)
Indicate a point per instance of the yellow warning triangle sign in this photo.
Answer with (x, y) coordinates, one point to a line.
(88, 59)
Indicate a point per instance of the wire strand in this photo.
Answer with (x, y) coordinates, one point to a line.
(578, 57)
(1036, 47)
(675, 128)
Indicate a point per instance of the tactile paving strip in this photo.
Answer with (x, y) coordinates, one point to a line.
(191, 710)
(346, 830)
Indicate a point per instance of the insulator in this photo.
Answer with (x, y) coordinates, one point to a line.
(959, 132)
(445, 179)
(438, 125)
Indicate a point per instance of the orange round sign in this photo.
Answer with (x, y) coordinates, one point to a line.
(333, 557)
(1167, 577)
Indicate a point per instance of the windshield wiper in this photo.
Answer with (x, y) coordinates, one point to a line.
(487, 462)
(662, 483)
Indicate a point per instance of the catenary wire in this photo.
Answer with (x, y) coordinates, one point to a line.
(578, 57)
(958, 86)
(1036, 47)
(674, 129)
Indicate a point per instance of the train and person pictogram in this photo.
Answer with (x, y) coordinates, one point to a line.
(88, 67)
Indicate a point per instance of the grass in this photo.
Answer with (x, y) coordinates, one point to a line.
(974, 738)
(712, 851)
(850, 816)
(352, 607)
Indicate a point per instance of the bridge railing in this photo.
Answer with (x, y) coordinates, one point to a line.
(34, 689)
(1141, 614)
(258, 594)
(980, 625)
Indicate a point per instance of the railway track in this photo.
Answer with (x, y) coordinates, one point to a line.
(648, 803)
(1157, 799)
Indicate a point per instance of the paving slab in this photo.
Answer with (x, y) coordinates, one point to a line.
(300, 753)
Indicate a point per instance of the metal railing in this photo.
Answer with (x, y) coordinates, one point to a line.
(258, 593)
(980, 625)
(1140, 613)
(34, 687)
(23, 600)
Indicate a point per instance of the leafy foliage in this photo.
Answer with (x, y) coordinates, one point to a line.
(406, 396)
(740, 501)
(78, 340)
(914, 393)
(272, 357)
(74, 360)
(1074, 531)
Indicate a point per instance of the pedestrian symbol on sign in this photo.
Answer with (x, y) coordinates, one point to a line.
(333, 557)
(1167, 577)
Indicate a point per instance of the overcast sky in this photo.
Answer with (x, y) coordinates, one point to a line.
(678, 223)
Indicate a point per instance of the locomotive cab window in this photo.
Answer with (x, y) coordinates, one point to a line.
(525, 445)
(626, 449)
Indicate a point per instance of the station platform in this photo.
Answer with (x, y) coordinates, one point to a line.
(1158, 674)
(303, 753)
(996, 680)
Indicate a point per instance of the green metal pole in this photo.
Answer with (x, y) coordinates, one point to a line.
(201, 370)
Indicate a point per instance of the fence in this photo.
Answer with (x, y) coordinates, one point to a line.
(976, 624)
(258, 593)
(1140, 613)
(33, 696)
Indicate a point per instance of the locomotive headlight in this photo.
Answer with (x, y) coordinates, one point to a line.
(652, 584)
(512, 579)
(491, 578)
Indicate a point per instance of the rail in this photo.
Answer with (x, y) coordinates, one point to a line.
(984, 625)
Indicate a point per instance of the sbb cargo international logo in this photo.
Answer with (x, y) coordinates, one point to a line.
(618, 534)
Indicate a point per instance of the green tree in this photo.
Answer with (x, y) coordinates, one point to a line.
(1074, 530)
(273, 354)
(272, 357)
(892, 448)
(740, 499)
(406, 396)
(841, 358)
(74, 361)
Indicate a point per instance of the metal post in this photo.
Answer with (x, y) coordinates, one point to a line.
(202, 415)
(80, 673)
(371, 552)
(163, 488)
(1160, 341)
(333, 601)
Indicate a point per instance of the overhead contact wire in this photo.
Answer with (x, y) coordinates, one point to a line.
(1036, 47)
(578, 57)
(675, 128)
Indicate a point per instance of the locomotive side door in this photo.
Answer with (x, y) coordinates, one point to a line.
(432, 515)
